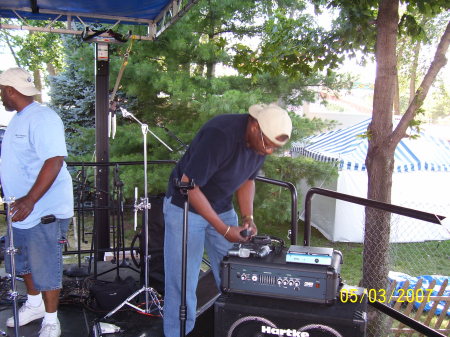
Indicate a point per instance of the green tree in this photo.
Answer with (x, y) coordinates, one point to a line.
(36, 51)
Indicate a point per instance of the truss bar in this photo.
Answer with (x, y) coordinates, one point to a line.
(20, 18)
(167, 16)
(82, 22)
(60, 31)
(41, 29)
(54, 20)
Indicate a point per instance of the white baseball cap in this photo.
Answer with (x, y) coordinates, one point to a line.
(273, 121)
(20, 80)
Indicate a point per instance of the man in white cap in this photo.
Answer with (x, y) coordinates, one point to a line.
(34, 173)
(222, 160)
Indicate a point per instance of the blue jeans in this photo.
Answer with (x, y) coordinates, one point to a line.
(40, 253)
(201, 235)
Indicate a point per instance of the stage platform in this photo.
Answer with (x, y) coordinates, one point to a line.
(78, 312)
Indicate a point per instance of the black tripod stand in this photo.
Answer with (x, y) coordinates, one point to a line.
(119, 232)
(184, 187)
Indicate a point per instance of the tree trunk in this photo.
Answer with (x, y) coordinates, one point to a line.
(413, 79)
(51, 70)
(210, 70)
(396, 97)
(38, 84)
(380, 160)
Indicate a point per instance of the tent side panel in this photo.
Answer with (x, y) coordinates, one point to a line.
(426, 191)
(322, 208)
(349, 221)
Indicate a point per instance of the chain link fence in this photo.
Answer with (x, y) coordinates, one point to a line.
(398, 246)
(404, 257)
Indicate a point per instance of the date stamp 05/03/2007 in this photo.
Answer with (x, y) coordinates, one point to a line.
(354, 295)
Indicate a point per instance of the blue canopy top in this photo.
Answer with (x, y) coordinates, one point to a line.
(349, 147)
(132, 9)
(155, 13)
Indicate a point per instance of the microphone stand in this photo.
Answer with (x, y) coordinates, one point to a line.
(11, 251)
(143, 205)
(184, 187)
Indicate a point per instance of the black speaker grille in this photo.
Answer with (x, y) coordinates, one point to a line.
(253, 316)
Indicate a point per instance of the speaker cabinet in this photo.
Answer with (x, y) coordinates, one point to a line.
(254, 316)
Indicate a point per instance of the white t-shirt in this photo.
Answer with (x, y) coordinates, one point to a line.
(34, 135)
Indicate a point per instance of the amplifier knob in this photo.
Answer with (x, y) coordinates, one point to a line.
(254, 278)
(279, 281)
(296, 284)
(291, 283)
(243, 277)
(285, 282)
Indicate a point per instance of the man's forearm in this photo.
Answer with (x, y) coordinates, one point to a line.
(23, 206)
(202, 206)
(45, 178)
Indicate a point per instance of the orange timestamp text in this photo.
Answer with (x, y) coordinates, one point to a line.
(354, 295)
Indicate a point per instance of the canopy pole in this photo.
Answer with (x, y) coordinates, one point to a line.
(101, 225)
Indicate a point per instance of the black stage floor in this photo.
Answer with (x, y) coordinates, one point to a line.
(78, 310)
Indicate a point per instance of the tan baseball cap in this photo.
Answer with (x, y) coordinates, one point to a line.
(20, 80)
(273, 121)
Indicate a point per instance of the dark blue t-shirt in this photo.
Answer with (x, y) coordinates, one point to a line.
(218, 160)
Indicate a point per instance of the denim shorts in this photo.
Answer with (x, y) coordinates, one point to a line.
(40, 253)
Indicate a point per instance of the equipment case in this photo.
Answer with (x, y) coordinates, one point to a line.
(272, 276)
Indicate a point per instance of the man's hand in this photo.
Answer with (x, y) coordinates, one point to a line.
(250, 225)
(21, 208)
(234, 233)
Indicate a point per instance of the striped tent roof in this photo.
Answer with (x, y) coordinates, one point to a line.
(348, 147)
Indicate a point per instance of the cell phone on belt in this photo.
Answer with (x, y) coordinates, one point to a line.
(48, 219)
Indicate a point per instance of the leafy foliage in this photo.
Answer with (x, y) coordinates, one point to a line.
(291, 46)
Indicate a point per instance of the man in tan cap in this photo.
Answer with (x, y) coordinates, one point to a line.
(35, 174)
(222, 161)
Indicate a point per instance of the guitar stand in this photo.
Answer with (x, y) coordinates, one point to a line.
(183, 188)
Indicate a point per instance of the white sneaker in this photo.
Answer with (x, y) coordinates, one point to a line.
(27, 314)
(50, 330)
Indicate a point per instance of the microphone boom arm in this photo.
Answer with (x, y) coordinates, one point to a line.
(144, 127)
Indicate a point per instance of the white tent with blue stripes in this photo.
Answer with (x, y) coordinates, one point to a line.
(421, 180)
